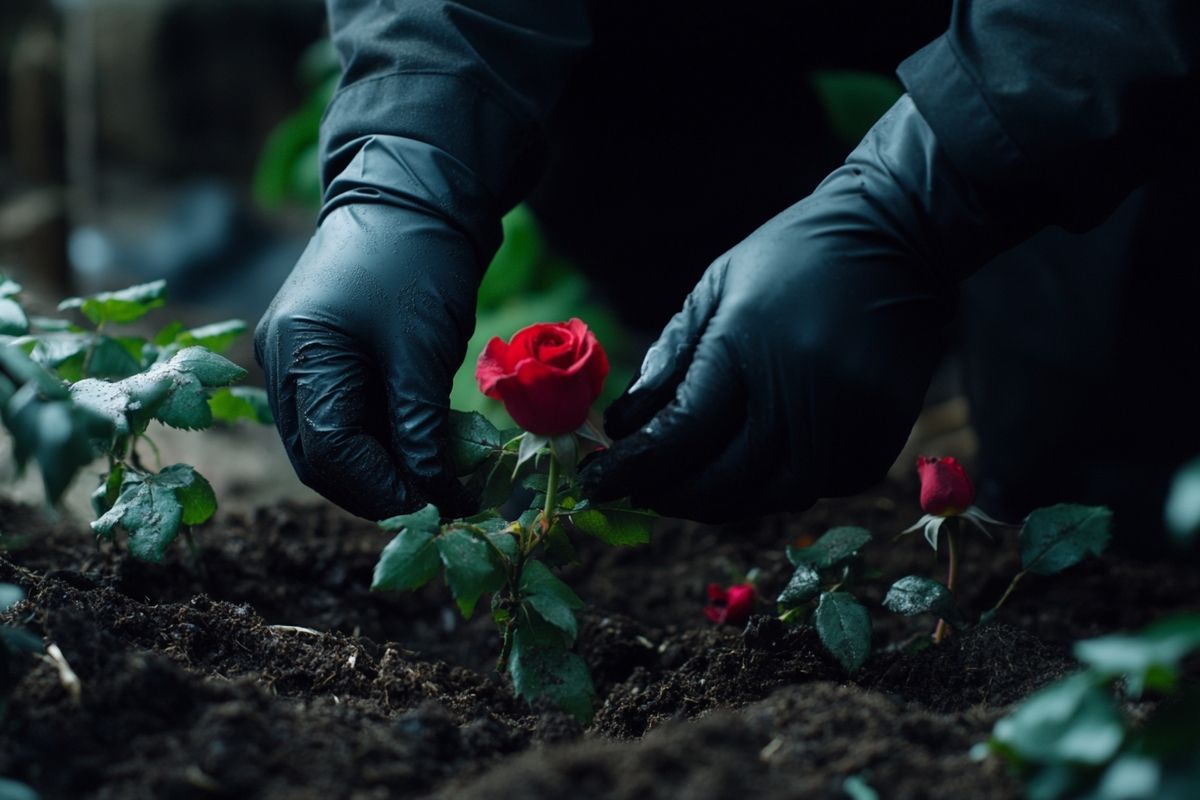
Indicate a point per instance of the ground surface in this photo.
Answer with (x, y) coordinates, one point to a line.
(194, 685)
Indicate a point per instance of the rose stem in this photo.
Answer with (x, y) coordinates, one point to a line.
(1012, 585)
(940, 632)
(551, 492)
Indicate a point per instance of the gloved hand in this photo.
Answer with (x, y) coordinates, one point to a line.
(362, 341)
(800, 362)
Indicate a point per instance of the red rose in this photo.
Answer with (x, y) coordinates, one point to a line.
(945, 488)
(548, 376)
(732, 605)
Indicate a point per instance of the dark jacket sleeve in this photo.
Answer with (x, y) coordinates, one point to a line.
(473, 78)
(1060, 109)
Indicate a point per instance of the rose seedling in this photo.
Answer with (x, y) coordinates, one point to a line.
(70, 393)
(547, 376)
(818, 587)
(1051, 540)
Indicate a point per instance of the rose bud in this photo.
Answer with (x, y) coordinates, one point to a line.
(732, 605)
(547, 376)
(945, 488)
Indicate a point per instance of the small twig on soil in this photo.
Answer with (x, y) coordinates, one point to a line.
(293, 629)
(70, 681)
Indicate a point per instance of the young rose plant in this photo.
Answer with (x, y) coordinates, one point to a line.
(70, 394)
(825, 569)
(547, 376)
(1051, 540)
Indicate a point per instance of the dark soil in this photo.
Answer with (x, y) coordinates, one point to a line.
(262, 667)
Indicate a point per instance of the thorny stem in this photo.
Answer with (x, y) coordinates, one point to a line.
(1011, 585)
(551, 493)
(940, 632)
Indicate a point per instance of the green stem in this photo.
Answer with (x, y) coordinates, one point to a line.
(1012, 585)
(506, 647)
(551, 494)
(91, 351)
(940, 632)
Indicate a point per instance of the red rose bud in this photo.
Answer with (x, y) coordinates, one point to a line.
(548, 376)
(945, 488)
(732, 605)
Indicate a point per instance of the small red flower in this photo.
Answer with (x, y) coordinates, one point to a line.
(945, 488)
(732, 605)
(547, 376)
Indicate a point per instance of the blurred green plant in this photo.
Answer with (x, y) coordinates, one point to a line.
(854, 100)
(1073, 740)
(70, 394)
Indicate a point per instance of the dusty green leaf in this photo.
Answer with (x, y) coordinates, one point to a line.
(472, 568)
(917, 595)
(186, 405)
(194, 492)
(125, 305)
(217, 336)
(55, 433)
(844, 627)
(472, 441)
(149, 510)
(1183, 503)
(13, 321)
(559, 550)
(1150, 658)
(213, 371)
(235, 403)
(109, 490)
(541, 666)
(506, 543)
(804, 585)
(614, 525)
(1061, 536)
(1072, 721)
(13, 790)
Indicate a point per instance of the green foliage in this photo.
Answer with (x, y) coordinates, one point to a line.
(1071, 739)
(615, 525)
(1182, 511)
(69, 395)
(1061, 536)
(12, 790)
(542, 667)
(845, 628)
(411, 559)
(120, 307)
(152, 508)
(830, 562)
(854, 100)
(916, 595)
(510, 560)
(834, 547)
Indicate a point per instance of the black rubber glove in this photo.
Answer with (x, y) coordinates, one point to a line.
(800, 362)
(362, 341)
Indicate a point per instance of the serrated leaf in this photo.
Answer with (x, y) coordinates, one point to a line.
(409, 561)
(126, 305)
(186, 405)
(615, 526)
(109, 490)
(834, 546)
(1071, 721)
(472, 568)
(113, 358)
(917, 595)
(217, 336)
(530, 447)
(427, 519)
(506, 543)
(213, 371)
(804, 585)
(559, 550)
(194, 492)
(235, 403)
(149, 511)
(168, 334)
(1061, 536)
(1151, 657)
(473, 439)
(13, 321)
(844, 627)
(541, 666)
(550, 597)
